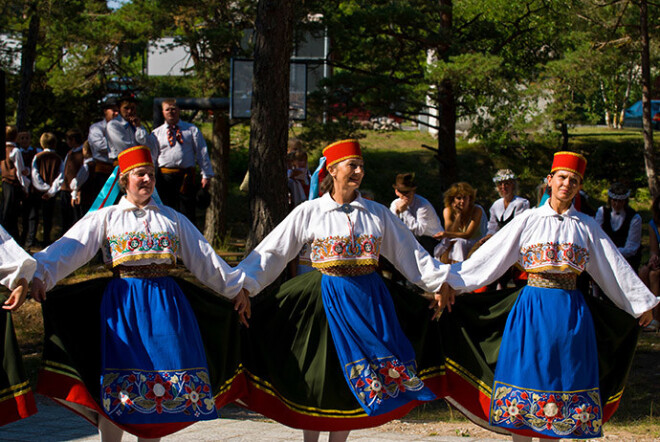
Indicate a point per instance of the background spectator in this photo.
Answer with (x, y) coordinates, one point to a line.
(622, 224)
(46, 167)
(177, 147)
(465, 224)
(30, 203)
(416, 212)
(15, 182)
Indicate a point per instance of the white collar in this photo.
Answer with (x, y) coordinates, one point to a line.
(125, 204)
(546, 210)
(328, 204)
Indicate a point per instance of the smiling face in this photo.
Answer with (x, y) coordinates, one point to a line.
(565, 185)
(140, 185)
(347, 175)
(506, 188)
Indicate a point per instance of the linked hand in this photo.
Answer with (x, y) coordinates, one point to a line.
(646, 318)
(243, 307)
(445, 298)
(38, 290)
(17, 297)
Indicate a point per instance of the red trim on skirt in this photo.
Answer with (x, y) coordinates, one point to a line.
(17, 407)
(270, 404)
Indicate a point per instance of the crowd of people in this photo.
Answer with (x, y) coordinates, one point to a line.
(339, 347)
(35, 179)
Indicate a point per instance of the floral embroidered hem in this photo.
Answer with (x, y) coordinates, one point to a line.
(375, 383)
(129, 395)
(578, 414)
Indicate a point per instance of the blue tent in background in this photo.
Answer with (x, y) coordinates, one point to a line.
(633, 115)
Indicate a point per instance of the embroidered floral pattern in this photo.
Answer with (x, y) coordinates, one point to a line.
(157, 392)
(384, 379)
(132, 245)
(577, 414)
(564, 255)
(341, 250)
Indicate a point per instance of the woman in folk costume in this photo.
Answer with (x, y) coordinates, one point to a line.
(152, 360)
(16, 269)
(328, 351)
(547, 381)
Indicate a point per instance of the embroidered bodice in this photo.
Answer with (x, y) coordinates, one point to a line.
(345, 250)
(354, 234)
(541, 240)
(129, 236)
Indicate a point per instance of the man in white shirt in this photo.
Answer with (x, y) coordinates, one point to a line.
(98, 143)
(416, 212)
(177, 146)
(125, 130)
(622, 224)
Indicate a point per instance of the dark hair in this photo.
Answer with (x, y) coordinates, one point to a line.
(75, 135)
(327, 185)
(11, 132)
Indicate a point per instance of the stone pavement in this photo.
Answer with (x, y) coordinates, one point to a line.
(55, 423)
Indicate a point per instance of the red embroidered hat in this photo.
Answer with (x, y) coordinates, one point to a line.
(136, 156)
(571, 161)
(340, 151)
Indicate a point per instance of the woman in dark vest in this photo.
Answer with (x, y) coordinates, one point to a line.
(622, 224)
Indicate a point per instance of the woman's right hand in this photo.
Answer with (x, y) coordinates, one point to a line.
(38, 292)
(243, 307)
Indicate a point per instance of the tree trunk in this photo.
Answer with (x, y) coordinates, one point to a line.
(3, 111)
(28, 56)
(215, 223)
(270, 117)
(647, 123)
(447, 106)
(563, 128)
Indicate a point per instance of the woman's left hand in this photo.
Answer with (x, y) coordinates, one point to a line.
(243, 307)
(17, 297)
(646, 318)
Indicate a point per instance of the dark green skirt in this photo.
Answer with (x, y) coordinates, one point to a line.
(16, 398)
(293, 372)
(71, 366)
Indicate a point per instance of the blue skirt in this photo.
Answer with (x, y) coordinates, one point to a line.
(546, 379)
(377, 358)
(154, 367)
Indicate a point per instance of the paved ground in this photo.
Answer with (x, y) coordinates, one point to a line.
(55, 423)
